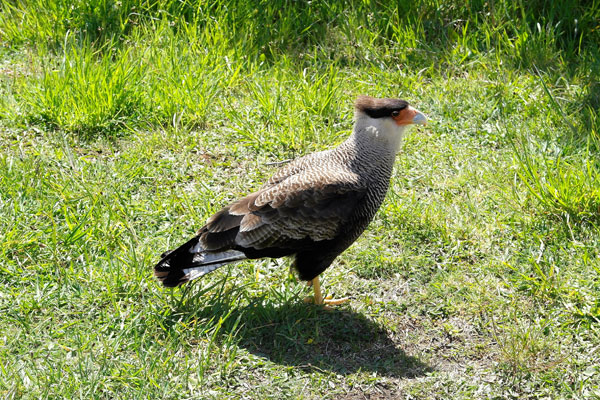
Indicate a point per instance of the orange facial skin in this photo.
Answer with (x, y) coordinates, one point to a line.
(406, 116)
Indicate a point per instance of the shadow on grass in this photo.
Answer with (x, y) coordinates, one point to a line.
(305, 336)
(340, 341)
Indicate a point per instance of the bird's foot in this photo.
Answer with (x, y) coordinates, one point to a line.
(327, 301)
(334, 302)
(318, 298)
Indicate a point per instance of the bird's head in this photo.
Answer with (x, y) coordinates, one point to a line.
(385, 119)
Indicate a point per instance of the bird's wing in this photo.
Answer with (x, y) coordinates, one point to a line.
(310, 204)
(297, 166)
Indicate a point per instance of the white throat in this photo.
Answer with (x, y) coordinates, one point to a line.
(379, 131)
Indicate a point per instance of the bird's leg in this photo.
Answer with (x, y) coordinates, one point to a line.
(318, 298)
(257, 272)
(317, 288)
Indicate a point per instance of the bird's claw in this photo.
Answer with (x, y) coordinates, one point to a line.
(327, 301)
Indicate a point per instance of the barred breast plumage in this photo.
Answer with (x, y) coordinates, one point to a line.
(312, 208)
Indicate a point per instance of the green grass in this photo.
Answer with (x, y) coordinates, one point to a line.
(125, 125)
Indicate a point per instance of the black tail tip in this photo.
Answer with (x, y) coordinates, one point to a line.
(166, 253)
(170, 279)
(168, 276)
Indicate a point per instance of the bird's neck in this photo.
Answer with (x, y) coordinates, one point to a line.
(380, 139)
(369, 157)
(378, 134)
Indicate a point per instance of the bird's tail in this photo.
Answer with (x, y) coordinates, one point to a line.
(191, 261)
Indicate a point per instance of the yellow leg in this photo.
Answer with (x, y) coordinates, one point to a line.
(318, 299)
(317, 288)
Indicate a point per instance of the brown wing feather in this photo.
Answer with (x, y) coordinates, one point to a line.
(244, 205)
(298, 203)
(297, 166)
(223, 221)
(306, 205)
(250, 222)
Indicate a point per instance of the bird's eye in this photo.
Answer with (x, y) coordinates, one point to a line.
(395, 113)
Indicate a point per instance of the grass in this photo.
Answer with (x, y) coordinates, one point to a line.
(125, 125)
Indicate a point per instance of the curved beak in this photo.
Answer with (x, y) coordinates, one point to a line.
(419, 118)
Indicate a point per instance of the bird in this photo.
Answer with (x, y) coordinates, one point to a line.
(312, 209)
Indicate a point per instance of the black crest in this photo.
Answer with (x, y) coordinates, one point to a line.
(379, 108)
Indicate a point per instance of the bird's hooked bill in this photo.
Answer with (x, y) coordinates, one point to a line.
(419, 118)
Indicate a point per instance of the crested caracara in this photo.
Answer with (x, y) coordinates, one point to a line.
(312, 209)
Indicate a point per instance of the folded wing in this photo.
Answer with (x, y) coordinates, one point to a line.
(288, 213)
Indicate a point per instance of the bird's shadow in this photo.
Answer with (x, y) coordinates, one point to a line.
(309, 337)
